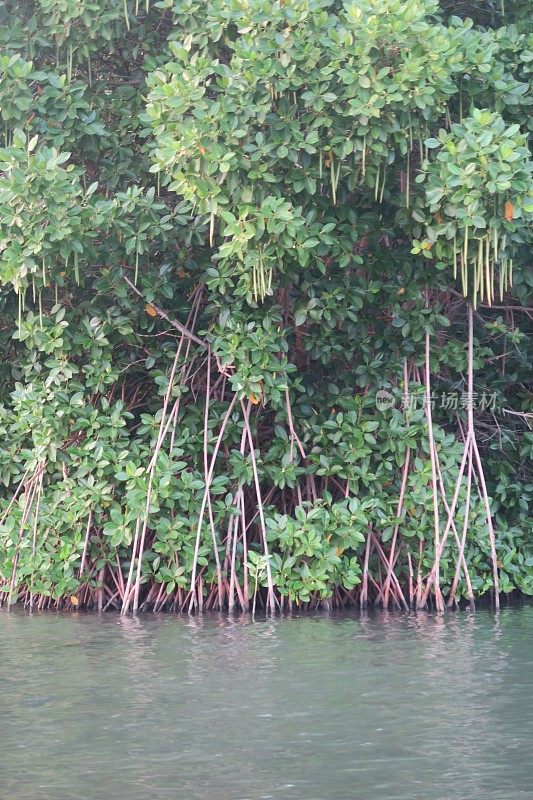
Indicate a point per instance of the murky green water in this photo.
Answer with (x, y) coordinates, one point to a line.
(314, 708)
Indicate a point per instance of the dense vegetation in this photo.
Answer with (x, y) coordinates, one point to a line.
(264, 276)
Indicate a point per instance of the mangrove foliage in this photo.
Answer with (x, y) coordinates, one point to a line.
(264, 282)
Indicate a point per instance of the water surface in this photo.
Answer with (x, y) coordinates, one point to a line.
(380, 707)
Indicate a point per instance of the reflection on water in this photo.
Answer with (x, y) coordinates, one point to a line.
(326, 707)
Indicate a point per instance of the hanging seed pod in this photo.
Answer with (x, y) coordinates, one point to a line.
(383, 185)
(408, 181)
(126, 15)
(332, 178)
(211, 229)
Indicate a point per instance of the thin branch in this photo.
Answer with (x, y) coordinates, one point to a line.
(174, 322)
